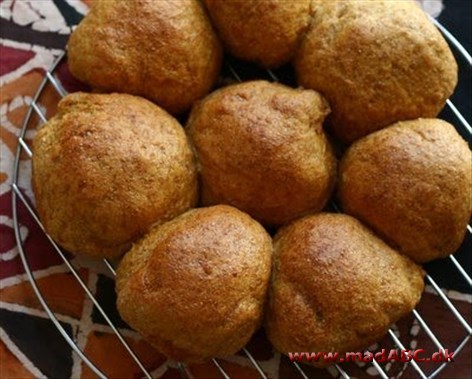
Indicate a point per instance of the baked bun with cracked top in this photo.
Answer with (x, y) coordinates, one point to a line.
(376, 62)
(195, 287)
(108, 166)
(261, 147)
(266, 32)
(412, 183)
(336, 287)
(165, 51)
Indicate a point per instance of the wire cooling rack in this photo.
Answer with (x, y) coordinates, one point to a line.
(18, 195)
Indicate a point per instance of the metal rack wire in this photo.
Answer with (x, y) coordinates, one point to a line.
(18, 196)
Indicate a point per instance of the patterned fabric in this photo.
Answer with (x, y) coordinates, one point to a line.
(33, 35)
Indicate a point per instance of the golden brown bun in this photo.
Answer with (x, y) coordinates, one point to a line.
(165, 51)
(195, 287)
(261, 148)
(412, 183)
(106, 167)
(336, 286)
(377, 62)
(267, 32)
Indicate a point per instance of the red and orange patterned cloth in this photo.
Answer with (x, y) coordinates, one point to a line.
(33, 35)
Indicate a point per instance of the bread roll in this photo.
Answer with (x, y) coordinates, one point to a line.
(336, 287)
(266, 32)
(376, 62)
(412, 183)
(195, 287)
(165, 51)
(105, 168)
(261, 148)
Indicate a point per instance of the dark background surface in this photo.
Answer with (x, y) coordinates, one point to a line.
(457, 17)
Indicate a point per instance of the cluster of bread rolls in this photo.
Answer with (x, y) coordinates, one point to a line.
(192, 207)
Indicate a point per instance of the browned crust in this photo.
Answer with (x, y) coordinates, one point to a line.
(195, 287)
(336, 286)
(106, 167)
(376, 62)
(267, 32)
(412, 183)
(261, 148)
(165, 51)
